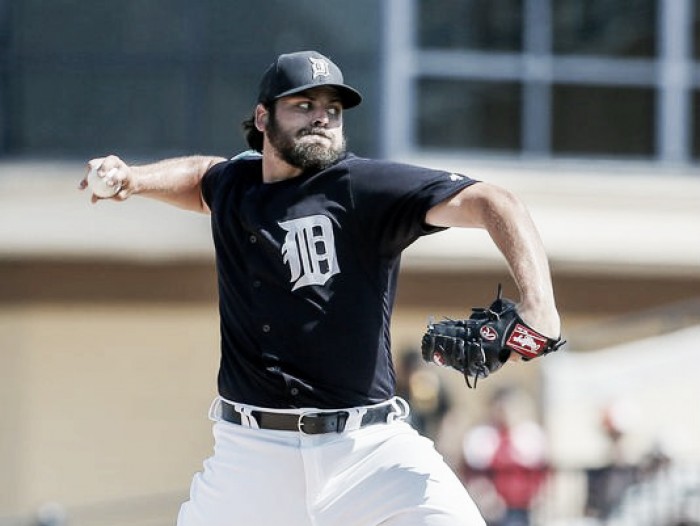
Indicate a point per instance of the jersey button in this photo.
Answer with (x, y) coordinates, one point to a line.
(253, 239)
(266, 328)
(256, 284)
(294, 391)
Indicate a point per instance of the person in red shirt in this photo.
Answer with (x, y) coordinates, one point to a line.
(506, 458)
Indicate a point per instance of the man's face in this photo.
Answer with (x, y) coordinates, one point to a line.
(306, 129)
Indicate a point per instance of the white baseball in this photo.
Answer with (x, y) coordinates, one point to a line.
(99, 185)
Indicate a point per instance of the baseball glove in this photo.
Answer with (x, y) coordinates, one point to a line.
(481, 344)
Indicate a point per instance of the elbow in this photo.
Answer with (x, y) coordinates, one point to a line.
(494, 203)
(476, 206)
(202, 207)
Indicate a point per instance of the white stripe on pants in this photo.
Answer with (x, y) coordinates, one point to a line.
(384, 474)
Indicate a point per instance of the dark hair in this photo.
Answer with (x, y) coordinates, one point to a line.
(253, 136)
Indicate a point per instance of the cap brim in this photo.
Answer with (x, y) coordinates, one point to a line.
(350, 97)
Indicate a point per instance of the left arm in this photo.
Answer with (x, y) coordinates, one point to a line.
(508, 222)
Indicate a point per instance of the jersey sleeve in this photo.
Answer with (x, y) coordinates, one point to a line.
(211, 180)
(218, 176)
(392, 200)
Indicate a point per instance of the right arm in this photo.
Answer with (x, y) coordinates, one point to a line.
(175, 181)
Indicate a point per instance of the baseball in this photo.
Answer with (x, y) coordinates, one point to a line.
(99, 185)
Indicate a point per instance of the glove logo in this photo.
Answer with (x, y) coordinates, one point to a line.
(525, 341)
(439, 359)
(481, 344)
(488, 333)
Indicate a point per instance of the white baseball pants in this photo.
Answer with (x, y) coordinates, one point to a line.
(382, 474)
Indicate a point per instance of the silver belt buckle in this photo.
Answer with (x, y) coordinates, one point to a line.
(300, 421)
(340, 416)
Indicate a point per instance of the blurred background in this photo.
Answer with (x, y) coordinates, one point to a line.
(588, 109)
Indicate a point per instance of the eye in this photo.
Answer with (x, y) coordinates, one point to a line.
(305, 105)
(334, 111)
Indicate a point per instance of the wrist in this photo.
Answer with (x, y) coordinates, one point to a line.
(543, 317)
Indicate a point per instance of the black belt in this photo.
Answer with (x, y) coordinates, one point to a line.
(311, 423)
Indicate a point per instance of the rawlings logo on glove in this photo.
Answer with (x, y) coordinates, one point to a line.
(481, 344)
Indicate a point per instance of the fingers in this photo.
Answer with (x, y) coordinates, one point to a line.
(83, 184)
(96, 163)
(115, 174)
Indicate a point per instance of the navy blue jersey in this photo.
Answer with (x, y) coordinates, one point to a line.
(307, 270)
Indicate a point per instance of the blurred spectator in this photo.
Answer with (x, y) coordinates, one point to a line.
(51, 514)
(505, 460)
(424, 390)
(666, 493)
(608, 483)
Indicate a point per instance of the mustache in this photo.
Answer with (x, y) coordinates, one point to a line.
(314, 131)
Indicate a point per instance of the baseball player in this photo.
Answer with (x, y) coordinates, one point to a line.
(308, 238)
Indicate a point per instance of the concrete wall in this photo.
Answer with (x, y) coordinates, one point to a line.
(103, 402)
(109, 327)
(105, 383)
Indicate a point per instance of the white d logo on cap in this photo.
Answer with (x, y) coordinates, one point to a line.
(319, 67)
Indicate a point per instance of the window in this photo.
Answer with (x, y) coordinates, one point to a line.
(479, 115)
(622, 28)
(549, 78)
(487, 25)
(611, 121)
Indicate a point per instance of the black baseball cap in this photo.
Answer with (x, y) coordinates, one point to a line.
(296, 72)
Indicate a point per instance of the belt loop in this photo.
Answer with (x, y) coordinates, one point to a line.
(355, 417)
(215, 409)
(247, 418)
(401, 409)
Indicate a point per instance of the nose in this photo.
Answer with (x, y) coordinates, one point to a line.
(320, 117)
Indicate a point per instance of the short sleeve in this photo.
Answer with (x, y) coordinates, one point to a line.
(392, 199)
(211, 180)
(217, 177)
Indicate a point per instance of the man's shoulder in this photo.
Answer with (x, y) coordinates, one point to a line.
(243, 168)
(247, 162)
(362, 165)
(248, 155)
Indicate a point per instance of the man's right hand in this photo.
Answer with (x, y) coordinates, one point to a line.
(116, 173)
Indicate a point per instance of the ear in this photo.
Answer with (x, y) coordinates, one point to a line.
(261, 116)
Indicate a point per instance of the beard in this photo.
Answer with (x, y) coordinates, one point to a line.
(308, 156)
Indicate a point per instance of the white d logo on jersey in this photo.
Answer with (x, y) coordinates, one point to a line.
(309, 249)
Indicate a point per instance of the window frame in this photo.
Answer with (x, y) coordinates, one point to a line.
(672, 74)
